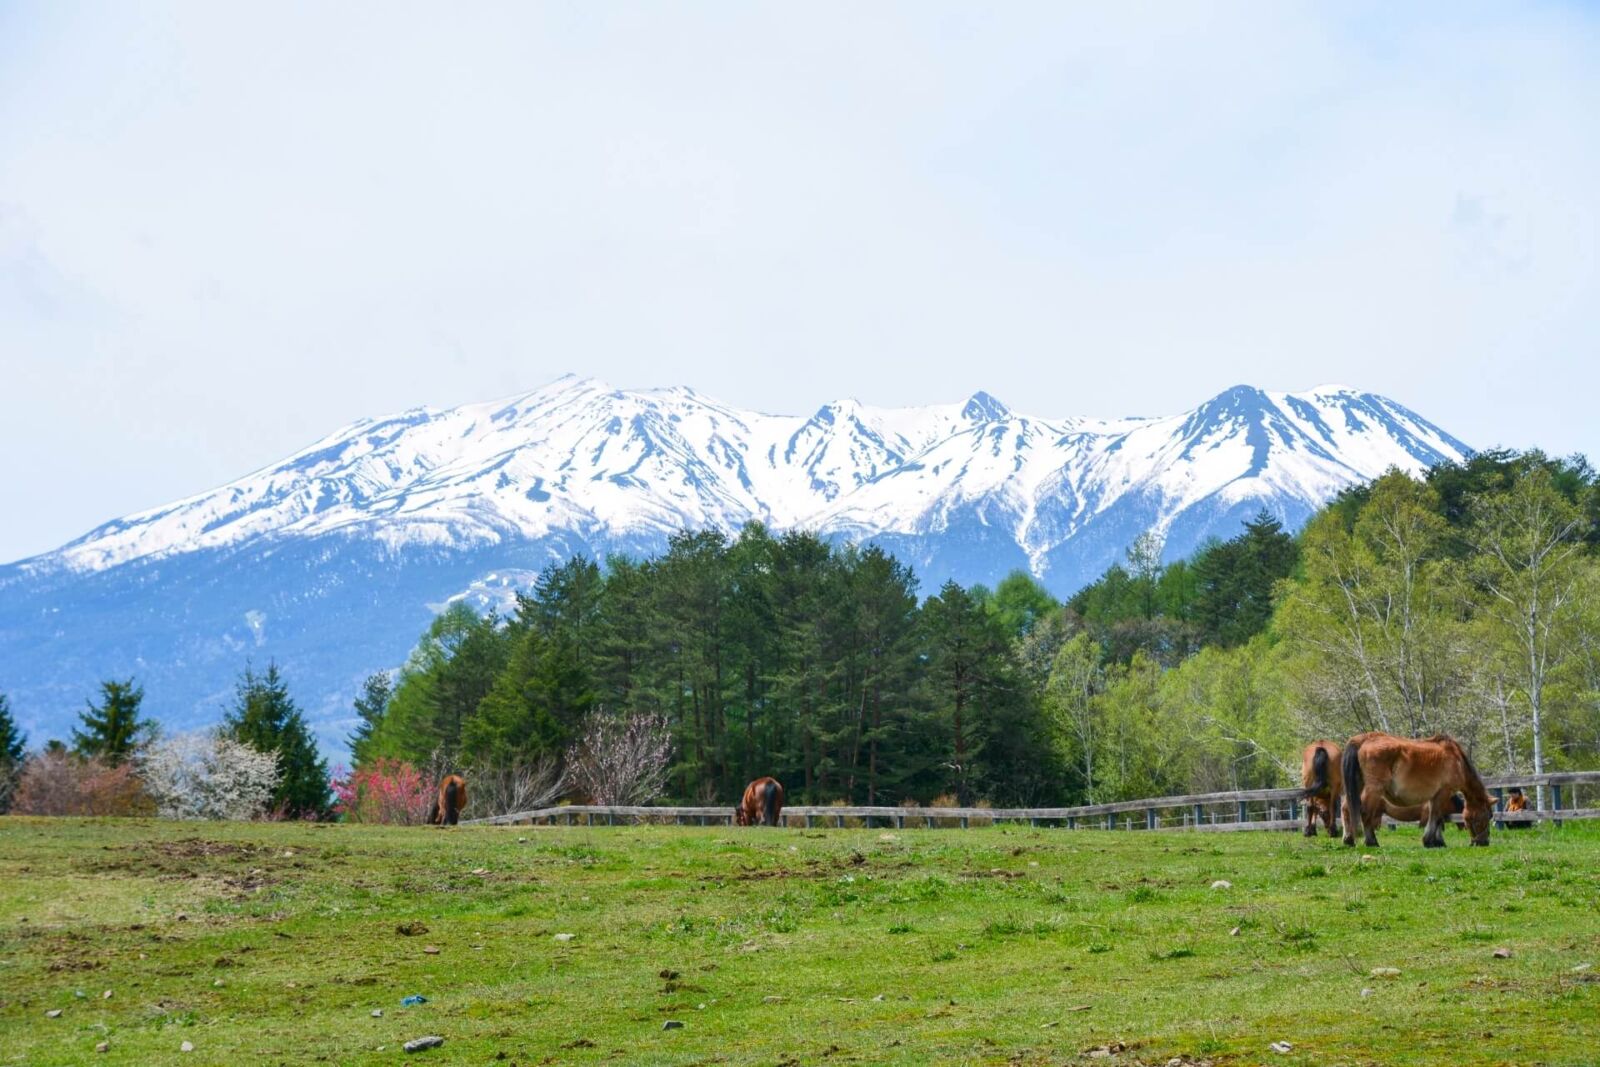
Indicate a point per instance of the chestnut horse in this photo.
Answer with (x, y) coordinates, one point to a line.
(1324, 790)
(1319, 773)
(1380, 770)
(446, 809)
(763, 801)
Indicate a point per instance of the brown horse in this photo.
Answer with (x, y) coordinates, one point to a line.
(1380, 769)
(1324, 791)
(1324, 785)
(446, 809)
(762, 803)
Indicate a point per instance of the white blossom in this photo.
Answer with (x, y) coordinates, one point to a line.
(208, 776)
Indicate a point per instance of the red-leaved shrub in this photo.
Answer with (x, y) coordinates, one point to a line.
(389, 791)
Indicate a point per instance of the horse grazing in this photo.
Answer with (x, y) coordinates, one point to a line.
(1323, 779)
(1381, 770)
(446, 809)
(763, 801)
(1319, 773)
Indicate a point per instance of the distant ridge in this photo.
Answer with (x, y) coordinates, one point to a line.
(333, 560)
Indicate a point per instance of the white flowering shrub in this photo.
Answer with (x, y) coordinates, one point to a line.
(207, 776)
(620, 760)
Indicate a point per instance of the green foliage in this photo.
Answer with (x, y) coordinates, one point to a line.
(266, 718)
(1019, 602)
(449, 672)
(1234, 581)
(112, 729)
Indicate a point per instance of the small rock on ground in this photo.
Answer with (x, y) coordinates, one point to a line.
(431, 950)
(1222, 883)
(377, 1013)
(1386, 972)
(104, 1046)
(1502, 954)
(1281, 1047)
(672, 1024)
(565, 937)
(53, 1013)
(422, 1044)
(187, 1046)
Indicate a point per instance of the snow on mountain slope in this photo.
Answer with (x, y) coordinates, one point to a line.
(332, 561)
(578, 456)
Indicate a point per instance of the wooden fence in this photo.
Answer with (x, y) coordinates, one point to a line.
(1251, 809)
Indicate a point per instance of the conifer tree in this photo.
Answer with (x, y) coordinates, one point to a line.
(112, 729)
(371, 706)
(12, 743)
(12, 750)
(265, 717)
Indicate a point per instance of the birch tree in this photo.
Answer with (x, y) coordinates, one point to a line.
(1528, 544)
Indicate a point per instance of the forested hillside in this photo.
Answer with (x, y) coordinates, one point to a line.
(1467, 600)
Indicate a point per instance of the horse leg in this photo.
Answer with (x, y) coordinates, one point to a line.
(1313, 804)
(1349, 817)
(1328, 812)
(1434, 837)
(1371, 812)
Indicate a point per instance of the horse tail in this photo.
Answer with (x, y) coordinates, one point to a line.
(452, 801)
(1319, 775)
(769, 803)
(1350, 766)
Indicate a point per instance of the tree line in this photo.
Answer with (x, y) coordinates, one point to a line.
(117, 755)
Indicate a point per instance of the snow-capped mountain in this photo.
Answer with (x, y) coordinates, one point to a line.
(333, 559)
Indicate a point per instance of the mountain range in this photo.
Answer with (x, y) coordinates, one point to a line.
(333, 560)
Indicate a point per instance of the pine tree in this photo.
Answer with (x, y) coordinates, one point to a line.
(12, 742)
(112, 729)
(12, 750)
(265, 717)
(371, 706)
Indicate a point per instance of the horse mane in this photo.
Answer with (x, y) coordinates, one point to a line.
(1474, 779)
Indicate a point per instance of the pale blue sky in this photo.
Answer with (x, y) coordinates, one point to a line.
(226, 229)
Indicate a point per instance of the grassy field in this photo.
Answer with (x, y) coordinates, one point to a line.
(262, 943)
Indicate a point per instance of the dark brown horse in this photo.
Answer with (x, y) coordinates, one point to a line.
(762, 803)
(1381, 770)
(446, 809)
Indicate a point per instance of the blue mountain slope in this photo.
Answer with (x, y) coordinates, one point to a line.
(333, 561)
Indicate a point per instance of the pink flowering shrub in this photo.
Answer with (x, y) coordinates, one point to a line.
(390, 791)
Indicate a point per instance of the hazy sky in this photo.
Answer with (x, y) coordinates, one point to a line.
(226, 229)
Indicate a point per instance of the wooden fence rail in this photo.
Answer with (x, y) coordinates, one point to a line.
(1249, 809)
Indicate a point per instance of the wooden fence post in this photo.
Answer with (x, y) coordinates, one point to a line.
(1244, 816)
(1149, 818)
(1555, 800)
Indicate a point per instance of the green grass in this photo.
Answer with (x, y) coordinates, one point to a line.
(1009, 945)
